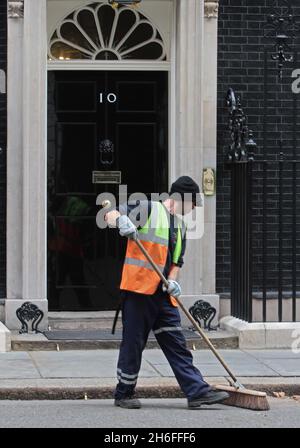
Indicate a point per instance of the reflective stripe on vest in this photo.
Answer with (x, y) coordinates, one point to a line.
(138, 275)
(144, 264)
(178, 246)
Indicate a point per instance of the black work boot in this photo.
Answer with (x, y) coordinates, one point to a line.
(128, 403)
(211, 397)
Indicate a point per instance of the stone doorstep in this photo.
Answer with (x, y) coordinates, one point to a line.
(35, 342)
(92, 320)
(263, 335)
(77, 320)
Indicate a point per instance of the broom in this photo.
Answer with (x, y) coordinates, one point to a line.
(239, 396)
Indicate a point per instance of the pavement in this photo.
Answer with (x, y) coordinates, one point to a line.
(84, 374)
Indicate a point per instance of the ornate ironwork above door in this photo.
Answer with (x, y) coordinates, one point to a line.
(100, 32)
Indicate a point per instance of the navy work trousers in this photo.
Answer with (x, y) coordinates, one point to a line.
(141, 314)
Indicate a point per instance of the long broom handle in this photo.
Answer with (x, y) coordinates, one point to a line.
(186, 312)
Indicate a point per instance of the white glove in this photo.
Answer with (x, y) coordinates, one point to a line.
(127, 228)
(173, 289)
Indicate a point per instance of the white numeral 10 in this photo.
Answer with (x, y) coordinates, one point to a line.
(111, 97)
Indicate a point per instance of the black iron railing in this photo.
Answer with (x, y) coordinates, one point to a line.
(276, 237)
(265, 230)
(240, 157)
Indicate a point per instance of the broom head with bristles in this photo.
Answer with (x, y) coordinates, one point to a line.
(245, 398)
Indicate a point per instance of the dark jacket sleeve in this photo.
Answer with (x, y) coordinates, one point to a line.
(180, 261)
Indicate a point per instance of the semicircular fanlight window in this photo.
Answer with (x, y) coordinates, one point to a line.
(99, 32)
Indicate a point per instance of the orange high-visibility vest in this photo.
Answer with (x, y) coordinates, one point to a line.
(138, 275)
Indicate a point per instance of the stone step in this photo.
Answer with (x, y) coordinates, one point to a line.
(38, 342)
(94, 320)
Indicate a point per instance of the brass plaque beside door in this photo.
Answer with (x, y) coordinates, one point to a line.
(209, 181)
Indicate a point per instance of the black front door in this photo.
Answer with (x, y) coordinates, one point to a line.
(98, 122)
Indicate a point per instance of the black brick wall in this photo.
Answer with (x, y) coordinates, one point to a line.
(241, 54)
(3, 121)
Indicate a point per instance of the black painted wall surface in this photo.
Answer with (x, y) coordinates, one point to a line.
(3, 127)
(241, 65)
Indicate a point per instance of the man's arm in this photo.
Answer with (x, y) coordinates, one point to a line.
(174, 272)
(175, 268)
(138, 212)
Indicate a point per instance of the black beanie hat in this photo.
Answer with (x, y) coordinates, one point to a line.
(186, 184)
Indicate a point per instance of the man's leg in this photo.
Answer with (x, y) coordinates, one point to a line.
(167, 330)
(138, 315)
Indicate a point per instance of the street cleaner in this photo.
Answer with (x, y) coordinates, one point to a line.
(146, 303)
